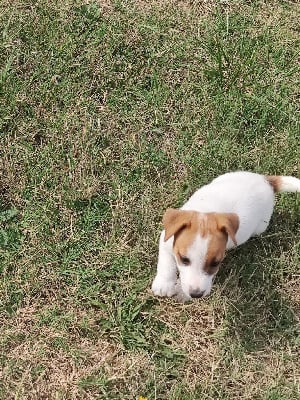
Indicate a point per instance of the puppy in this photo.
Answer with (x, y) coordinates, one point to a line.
(218, 216)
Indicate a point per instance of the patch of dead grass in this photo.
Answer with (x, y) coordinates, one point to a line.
(197, 326)
(283, 17)
(36, 367)
(291, 291)
(201, 334)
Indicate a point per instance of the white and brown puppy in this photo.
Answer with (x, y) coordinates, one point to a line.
(218, 216)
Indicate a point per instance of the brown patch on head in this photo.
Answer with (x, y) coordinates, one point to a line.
(275, 182)
(215, 252)
(176, 220)
(227, 225)
(186, 225)
(185, 237)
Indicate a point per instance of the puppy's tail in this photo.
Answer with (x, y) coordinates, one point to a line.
(284, 183)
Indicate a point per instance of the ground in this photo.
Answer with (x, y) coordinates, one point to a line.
(110, 112)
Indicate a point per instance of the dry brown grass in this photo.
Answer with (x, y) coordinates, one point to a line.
(200, 333)
(38, 368)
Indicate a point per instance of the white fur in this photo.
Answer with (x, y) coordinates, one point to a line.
(166, 277)
(247, 194)
(193, 278)
(289, 184)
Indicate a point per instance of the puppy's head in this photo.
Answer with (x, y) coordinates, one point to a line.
(199, 245)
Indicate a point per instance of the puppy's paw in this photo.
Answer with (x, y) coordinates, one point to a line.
(163, 287)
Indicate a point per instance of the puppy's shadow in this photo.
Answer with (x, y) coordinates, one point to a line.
(252, 276)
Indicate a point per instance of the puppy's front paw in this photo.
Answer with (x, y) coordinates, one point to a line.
(163, 287)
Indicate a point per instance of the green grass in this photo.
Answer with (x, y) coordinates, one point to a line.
(110, 112)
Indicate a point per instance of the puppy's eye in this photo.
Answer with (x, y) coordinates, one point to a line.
(185, 260)
(214, 263)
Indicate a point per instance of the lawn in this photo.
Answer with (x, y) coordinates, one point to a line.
(110, 112)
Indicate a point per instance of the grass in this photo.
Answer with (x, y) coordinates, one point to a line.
(110, 112)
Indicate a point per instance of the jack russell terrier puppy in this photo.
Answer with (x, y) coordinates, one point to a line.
(218, 216)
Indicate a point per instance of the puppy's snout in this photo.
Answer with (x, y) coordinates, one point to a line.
(197, 294)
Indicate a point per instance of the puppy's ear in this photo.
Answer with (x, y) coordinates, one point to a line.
(229, 223)
(174, 220)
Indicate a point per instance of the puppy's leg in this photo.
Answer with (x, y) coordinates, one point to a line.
(166, 277)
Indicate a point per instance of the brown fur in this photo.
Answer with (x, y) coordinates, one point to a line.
(227, 224)
(185, 225)
(185, 237)
(275, 182)
(215, 252)
(175, 220)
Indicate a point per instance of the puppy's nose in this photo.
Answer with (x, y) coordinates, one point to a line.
(197, 294)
